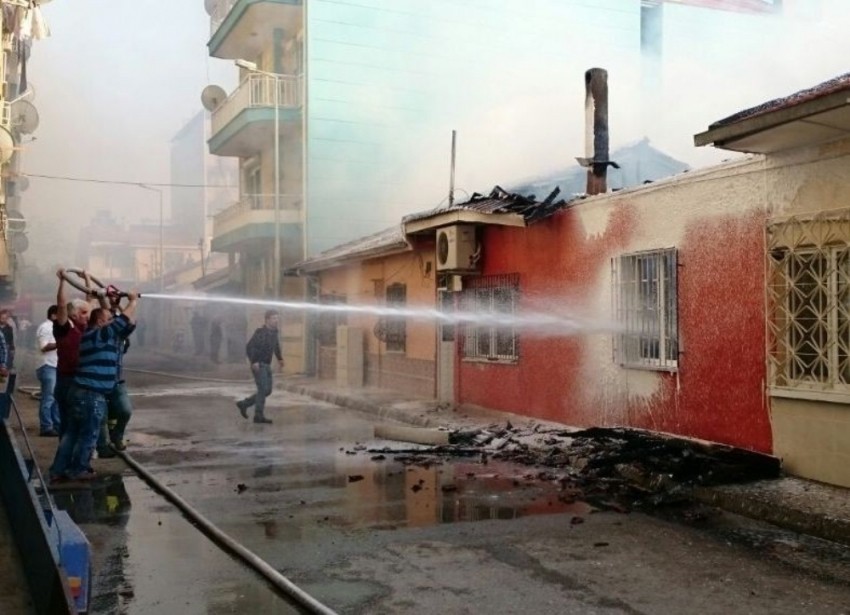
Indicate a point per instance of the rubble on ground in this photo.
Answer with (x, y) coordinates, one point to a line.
(615, 468)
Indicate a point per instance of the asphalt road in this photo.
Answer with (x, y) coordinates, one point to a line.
(371, 535)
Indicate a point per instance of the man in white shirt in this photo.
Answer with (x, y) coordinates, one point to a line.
(48, 411)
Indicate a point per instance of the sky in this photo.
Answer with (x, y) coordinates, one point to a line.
(118, 79)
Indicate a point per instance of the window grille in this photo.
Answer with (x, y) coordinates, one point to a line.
(395, 334)
(808, 302)
(646, 307)
(327, 322)
(498, 294)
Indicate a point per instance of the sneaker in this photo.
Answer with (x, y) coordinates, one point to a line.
(50, 433)
(243, 409)
(106, 453)
(262, 419)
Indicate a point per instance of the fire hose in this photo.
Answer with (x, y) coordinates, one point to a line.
(78, 278)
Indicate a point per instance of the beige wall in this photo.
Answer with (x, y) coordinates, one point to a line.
(812, 439)
(810, 435)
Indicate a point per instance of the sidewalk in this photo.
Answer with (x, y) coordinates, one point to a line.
(793, 503)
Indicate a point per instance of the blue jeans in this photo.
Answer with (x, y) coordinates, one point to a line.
(60, 394)
(263, 380)
(119, 409)
(48, 410)
(77, 444)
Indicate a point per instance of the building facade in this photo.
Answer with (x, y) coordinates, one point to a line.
(712, 304)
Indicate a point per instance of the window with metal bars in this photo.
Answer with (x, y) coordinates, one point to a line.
(395, 334)
(809, 297)
(492, 295)
(646, 307)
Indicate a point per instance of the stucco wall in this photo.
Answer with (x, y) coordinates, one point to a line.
(715, 220)
(811, 436)
(364, 284)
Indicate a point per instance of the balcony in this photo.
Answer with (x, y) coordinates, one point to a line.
(249, 224)
(244, 123)
(244, 28)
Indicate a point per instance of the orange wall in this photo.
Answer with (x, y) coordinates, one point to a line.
(358, 283)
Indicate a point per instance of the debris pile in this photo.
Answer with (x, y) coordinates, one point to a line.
(615, 468)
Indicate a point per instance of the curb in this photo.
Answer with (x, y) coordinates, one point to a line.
(774, 512)
(767, 509)
(381, 411)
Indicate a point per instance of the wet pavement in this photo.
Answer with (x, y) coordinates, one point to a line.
(366, 534)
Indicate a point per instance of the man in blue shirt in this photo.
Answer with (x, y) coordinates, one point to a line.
(96, 377)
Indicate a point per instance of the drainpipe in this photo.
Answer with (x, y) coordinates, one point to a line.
(596, 140)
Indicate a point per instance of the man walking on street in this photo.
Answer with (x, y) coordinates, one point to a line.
(262, 345)
(8, 331)
(48, 410)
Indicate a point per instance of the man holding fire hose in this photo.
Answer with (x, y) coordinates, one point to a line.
(96, 378)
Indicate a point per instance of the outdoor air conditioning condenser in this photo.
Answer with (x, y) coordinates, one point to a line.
(456, 248)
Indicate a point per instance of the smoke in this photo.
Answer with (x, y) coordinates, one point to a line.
(390, 80)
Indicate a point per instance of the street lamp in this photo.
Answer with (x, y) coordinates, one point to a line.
(252, 68)
(161, 233)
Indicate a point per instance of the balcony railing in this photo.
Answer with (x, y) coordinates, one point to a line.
(258, 91)
(258, 202)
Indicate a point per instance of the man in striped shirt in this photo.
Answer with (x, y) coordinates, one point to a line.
(96, 378)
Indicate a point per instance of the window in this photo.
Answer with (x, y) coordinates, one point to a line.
(395, 334)
(808, 293)
(646, 307)
(327, 320)
(491, 295)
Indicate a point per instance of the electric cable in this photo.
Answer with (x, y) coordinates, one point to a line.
(90, 180)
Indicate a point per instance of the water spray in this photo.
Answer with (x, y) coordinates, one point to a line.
(555, 323)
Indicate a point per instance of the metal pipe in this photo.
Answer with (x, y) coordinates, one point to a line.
(283, 585)
(276, 267)
(452, 177)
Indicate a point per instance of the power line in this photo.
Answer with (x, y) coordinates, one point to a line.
(124, 183)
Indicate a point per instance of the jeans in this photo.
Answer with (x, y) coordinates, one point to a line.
(77, 444)
(48, 410)
(263, 379)
(60, 394)
(119, 409)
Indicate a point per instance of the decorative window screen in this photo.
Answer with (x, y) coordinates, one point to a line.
(497, 294)
(646, 307)
(808, 302)
(396, 327)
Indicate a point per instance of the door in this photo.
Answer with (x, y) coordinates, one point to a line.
(446, 350)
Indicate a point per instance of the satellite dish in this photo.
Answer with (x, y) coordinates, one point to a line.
(15, 222)
(209, 5)
(24, 117)
(22, 182)
(7, 145)
(18, 243)
(212, 97)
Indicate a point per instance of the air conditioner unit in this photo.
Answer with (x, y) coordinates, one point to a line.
(456, 248)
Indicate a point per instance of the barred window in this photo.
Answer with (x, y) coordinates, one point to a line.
(809, 302)
(646, 306)
(498, 294)
(395, 335)
(327, 321)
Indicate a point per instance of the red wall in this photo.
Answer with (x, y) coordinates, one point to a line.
(718, 393)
